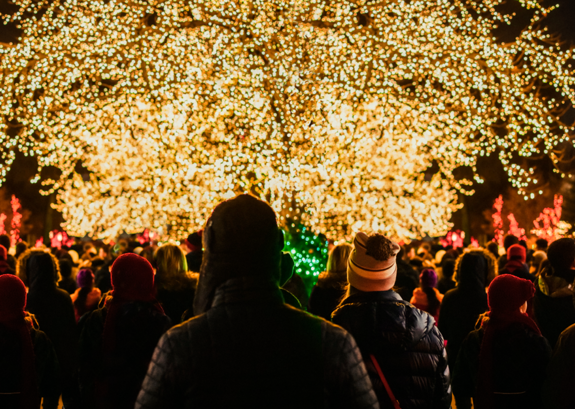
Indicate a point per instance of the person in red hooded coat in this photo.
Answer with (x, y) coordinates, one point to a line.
(502, 364)
(118, 339)
(29, 368)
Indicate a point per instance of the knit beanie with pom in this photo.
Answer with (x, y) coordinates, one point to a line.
(372, 265)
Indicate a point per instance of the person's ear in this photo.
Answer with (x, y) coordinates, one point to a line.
(281, 242)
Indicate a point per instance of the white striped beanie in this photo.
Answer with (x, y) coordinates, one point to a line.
(366, 273)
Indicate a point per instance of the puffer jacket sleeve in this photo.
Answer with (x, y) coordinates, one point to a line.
(442, 392)
(347, 384)
(159, 386)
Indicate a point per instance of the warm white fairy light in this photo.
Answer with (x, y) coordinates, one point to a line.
(331, 110)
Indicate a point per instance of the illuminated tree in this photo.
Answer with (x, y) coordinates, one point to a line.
(333, 111)
(549, 225)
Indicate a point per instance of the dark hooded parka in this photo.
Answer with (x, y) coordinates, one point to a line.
(461, 307)
(246, 348)
(28, 365)
(53, 310)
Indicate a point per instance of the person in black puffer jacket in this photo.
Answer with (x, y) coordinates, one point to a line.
(54, 311)
(502, 364)
(462, 306)
(246, 348)
(403, 340)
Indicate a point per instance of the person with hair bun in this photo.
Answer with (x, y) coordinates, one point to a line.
(427, 297)
(86, 297)
(331, 284)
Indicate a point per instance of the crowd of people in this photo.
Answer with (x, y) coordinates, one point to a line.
(222, 321)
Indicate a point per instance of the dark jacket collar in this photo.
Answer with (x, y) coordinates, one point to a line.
(248, 289)
(357, 296)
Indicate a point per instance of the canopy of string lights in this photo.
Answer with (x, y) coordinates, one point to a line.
(344, 115)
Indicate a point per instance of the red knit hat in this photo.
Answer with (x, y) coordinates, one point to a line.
(132, 278)
(516, 251)
(507, 293)
(12, 297)
(3, 253)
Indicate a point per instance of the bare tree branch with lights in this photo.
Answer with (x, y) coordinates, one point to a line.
(333, 111)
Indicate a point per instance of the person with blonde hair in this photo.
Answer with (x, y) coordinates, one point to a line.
(331, 284)
(175, 286)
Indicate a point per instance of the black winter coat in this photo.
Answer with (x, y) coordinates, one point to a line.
(461, 307)
(520, 358)
(47, 367)
(176, 302)
(554, 312)
(119, 376)
(250, 350)
(558, 388)
(326, 294)
(406, 344)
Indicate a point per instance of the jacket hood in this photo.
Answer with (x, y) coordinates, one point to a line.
(41, 272)
(472, 270)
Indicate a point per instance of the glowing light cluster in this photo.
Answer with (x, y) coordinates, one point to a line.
(549, 225)
(336, 112)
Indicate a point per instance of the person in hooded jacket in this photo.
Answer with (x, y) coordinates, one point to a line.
(29, 368)
(175, 286)
(390, 332)
(54, 311)
(86, 297)
(246, 348)
(117, 340)
(331, 284)
(553, 302)
(4, 266)
(426, 297)
(502, 364)
(516, 257)
(462, 306)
